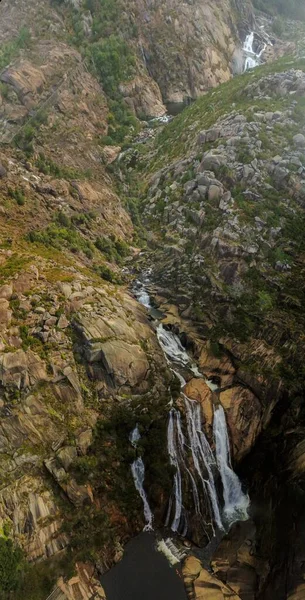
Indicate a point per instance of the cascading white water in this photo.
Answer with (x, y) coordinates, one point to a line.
(142, 295)
(252, 58)
(236, 503)
(248, 45)
(138, 473)
(202, 455)
(174, 460)
(135, 436)
(172, 346)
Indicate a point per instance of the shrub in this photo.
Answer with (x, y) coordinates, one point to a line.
(11, 561)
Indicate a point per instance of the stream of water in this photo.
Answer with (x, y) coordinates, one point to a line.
(201, 473)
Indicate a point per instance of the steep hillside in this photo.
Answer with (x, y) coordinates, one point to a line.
(218, 194)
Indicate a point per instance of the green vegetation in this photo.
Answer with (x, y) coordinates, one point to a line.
(293, 9)
(36, 581)
(25, 138)
(11, 564)
(62, 233)
(176, 139)
(49, 167)
(115, 250)
(18, 195)
(10, 50)
(111, 58)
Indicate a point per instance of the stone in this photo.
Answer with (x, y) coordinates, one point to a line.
(214, 366)
(299, 140)
(212, 162)
(197, 389)
(5, 312)
(244, 417)
(202, 190)
(66, 289)
(190, 186)
(125, 363)
(63, 322)
(82, 586)
(66, 456)
(84, 441)
(214, 193)
(21, 369)
(3, 171)
(212, 135)
(6, 291)
(205, 585)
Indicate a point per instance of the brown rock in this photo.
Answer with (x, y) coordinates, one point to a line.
(6, 291)
(26, 80)
(244, 417)
(110, 154)
(143, 96)
(126, 363)
(2, 171)
(204, 585)
(197, 389)
(83, 586)
(222, 367)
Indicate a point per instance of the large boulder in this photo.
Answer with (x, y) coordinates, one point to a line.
(21, 369)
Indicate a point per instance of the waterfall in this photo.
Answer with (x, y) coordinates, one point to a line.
(172, 346)
(248, 45)
(138, 473)
(236, 503)
(252, 59)
(135, 436)
(202, 455)
(174, 460)
(141, 294)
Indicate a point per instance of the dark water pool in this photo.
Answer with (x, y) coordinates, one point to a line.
(143, 574)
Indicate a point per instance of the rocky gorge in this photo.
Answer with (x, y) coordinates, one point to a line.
(151, 297)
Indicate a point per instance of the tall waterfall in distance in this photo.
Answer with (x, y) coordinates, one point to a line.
(236, 503)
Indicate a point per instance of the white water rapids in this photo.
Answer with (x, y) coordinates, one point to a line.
(197, 469)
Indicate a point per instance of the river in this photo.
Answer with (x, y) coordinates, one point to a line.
(143, 573)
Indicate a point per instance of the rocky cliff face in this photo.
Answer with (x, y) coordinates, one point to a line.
(226, 216)
(223, 196)
(188, 47)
